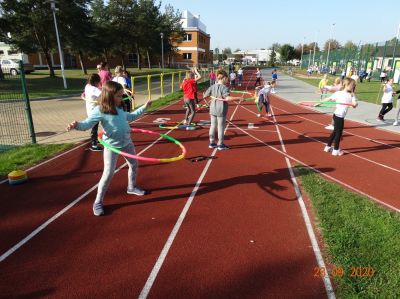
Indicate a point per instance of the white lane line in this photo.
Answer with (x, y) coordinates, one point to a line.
(370, 197)
(60, 213)
(317, 251)
(164, 252)
(319, 141)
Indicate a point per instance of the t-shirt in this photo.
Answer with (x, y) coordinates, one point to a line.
(258, 74)
(232, 76)
(218, 107)
(104, 76)
(121, 80)
(189, 87)
(263, 93)
(387, 94)
(343, 97)
(91, 95)
(275, 75)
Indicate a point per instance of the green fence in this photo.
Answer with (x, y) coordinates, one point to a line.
(376, 56)
(16, 127)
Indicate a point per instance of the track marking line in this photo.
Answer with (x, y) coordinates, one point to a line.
(164, 252)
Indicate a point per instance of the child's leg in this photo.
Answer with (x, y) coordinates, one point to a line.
(132, 164)
(93, 134)
(192, 108)
(398, 110)
(221, 129)
(213, 127)
(338, 129)
(110, 161)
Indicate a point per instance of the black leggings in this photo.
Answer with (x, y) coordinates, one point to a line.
(338, 125)
(386, 107)
(190, 110)
(93, 134)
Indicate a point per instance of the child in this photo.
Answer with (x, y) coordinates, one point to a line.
(258, 77)
(387, 100)
(219, 109)
(212, 77)
(240, 76)
(232, 78)
(189, 87)
(396, 122)
(321, 86)
(114, 120)
(90, 95)
(337, 85)
(263, 99)
(121, 79)
(345, 96)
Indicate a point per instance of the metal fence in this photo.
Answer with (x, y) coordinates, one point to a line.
(375, 56)
(16, 126)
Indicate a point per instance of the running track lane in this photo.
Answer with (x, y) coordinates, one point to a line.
(80, 255)
(371, 164)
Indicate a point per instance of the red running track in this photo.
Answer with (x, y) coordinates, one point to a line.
(225, 227)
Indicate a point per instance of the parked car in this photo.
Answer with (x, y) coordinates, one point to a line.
(11, 66)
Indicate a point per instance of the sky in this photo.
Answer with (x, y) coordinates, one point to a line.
(258, 24)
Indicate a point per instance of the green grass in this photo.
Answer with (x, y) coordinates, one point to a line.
(356, 232)
(367, 91)
(25, 156)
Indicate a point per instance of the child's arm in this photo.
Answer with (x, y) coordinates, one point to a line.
(198, 76)
(86, 124)
(135, 114)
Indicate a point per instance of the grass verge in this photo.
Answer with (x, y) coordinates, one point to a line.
(28, 155)
(357, 233)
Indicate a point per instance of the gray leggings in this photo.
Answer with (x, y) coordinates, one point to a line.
(110, 163)
(190, 111)
(398, 109)
(217, 122)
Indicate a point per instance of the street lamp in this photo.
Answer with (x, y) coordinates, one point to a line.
(315, 44)
(329, 45)
(162, 51)
(53, 8)
(301, 57)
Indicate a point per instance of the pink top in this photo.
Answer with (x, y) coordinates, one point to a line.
(212, 76)
(104, 76)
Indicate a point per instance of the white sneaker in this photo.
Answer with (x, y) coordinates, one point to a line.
(327, 149)
(337, 152)
(396, 123)
(259, 115)
(136, 191)
(329, 127)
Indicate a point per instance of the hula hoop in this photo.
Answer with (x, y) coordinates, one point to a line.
(241, 91)
(183, 127)
(141, 158)
(323, 104)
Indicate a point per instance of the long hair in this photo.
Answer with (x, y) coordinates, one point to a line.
(106, 101)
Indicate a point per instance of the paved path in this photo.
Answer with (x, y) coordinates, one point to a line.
(296, 90)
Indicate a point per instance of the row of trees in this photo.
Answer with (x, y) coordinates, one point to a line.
(91, 27)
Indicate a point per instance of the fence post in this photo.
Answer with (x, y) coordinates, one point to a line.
(172, 80)
(149, 86)
(133, 91)
(393, 57)
(27, 103)
(162, 84)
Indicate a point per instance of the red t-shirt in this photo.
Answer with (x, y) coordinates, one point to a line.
(189, 87)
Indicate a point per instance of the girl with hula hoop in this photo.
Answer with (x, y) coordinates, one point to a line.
(114, 120)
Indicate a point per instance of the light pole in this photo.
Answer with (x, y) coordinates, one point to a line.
(162, 51)
(301, 57)
(53, 8)
(315, 44)
(329, 46)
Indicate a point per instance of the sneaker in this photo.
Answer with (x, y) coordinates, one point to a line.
(396, 123)
(212, 145)
(258, 115)
(222, 147)
(190, 128)
(98, 209)
(337, 152)
(268, 114)
(329, 127)
(136, 191)
(96, 148)
(327, 149)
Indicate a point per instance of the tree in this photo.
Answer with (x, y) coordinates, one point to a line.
(334, 44)
(276, 46)
(272, 58)
(227, 51)
(287, 52)
(237, 50)
(350, 45)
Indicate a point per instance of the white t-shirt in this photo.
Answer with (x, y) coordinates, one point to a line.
(121, 80)
(343, 97)
(91, 95)
(387, 94)
(258, 74)
(232, 76)
(240, 72)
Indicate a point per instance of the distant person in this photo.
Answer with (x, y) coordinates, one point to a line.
(369, 74)
(240, 76)
(264, 100)
(104, 73)
(189, 87)
(322, 86)
(232, 79)
(343, 74)
(383, 75)
(258, 78)
(387, 100)
(90, 96)
(396, 121)
(119, 76)
(212, 76)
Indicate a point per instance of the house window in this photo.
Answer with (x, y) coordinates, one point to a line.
(187, 37)
(12, 52)
(1, 52)
(132, 58)
(187, 56)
